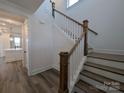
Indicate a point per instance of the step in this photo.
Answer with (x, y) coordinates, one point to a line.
(77, 90)
(111, 57)
(107, 68)
(107, 74)
(87, 88)
(90, 50)
(115, 64)
(104, 80)
(99, 85)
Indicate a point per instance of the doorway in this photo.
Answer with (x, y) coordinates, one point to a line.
(13, 39)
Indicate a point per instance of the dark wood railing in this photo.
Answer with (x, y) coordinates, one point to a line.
(55, 10)
(53, 14)
(65, 56)
(64, 59)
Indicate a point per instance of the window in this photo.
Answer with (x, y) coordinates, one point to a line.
(71, 2)
(17, 42)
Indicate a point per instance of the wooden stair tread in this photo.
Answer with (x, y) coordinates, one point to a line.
(89, 48)
(112, 57)
(87, 87)
(107, 68)
(102, 79)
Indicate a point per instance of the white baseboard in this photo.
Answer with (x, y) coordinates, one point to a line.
(39, 70)
(109, 51)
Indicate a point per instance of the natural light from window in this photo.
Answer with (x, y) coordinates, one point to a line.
(71, 2)
(17, 42)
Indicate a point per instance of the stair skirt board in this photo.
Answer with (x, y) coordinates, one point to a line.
(107, 74)
(99, 85)
(114, 64)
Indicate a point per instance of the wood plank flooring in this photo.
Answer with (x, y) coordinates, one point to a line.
(14, 79)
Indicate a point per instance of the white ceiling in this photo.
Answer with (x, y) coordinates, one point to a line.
(31, 5)
(6, 15)
(6, 25)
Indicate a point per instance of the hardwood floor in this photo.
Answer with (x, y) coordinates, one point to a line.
(14, 79)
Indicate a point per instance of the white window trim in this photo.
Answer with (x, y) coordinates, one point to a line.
(73, 3)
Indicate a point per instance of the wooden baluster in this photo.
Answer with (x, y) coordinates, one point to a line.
(63, 87)
(85, 29)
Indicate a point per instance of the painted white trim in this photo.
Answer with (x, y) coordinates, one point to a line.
(62, 31)
(109, 51)
(77, 74)
(40, 69)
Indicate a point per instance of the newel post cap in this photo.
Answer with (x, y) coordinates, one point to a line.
(63, 53)
(85, 21)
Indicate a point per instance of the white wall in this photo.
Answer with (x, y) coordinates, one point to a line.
(45, 41)
(61, 43)
(44, 38)
(4, 43)
(40, 40)
(105, 17)
(40, 46)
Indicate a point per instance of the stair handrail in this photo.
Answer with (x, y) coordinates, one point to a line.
(66, 58)
(55, 10)
(76, 44)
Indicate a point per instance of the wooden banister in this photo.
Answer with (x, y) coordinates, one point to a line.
(92, 31)
(67, 59)
(68, 17)
(85, 29)
(55, 10)
(76, 44)
(84, 34)
(64, 59)
(75, 21)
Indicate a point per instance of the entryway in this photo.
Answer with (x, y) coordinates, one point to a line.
(13, 40)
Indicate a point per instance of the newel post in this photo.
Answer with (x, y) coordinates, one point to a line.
(53, 9)
(85, 29)
(63, 85)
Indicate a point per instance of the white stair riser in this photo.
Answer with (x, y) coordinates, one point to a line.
(114, 64)
(98, 84)
(104, 73)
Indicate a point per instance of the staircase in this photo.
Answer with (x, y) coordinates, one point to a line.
(102, 73)
(83, 71)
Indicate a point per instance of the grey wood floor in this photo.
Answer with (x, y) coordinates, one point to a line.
(14, 79)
